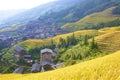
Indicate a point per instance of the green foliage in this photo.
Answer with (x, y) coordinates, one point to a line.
(86, 40)
(79, 50)
(93, 44)
(65, 43)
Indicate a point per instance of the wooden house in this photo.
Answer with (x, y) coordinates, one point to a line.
(46, 59)
(19, 52)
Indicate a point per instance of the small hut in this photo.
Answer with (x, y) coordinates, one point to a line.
(46, 59)
(35, 67)
(19, 52)
(19, 70)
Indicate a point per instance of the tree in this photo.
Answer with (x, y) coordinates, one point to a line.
(52, 44)
(62, 43)
(86, 40)
(93, 44)
(74, 41)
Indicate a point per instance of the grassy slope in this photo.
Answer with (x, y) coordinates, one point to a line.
(92, 19)
(104, 68)
(108, 39)
(30, 44)
(109, 42)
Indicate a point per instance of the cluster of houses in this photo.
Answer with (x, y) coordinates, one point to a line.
(44, 64)
(12, 38)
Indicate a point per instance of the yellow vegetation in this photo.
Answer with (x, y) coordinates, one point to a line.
(109, 42)
(104, 68)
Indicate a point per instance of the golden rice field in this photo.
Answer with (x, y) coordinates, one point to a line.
(109, 42)
(104, 68)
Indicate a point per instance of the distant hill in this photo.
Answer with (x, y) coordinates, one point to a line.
(90, 21)
(105, 68)
(35, 13)
(77, 12)
(52, 15)
(5, 14)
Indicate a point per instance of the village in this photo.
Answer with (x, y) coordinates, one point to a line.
(11, 38)
(44, 64)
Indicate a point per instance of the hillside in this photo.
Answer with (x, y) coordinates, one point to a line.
(31, 44)
(60, 14)
(40, 28)
(73, 53)
(35, 13)
(106, 68)
(110, 41)
(105, 37)
(92, 20)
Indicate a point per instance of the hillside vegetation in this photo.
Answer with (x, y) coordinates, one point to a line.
(108, 39)
(72, 50)
(104, 68)
(30, 44)
(92, 20)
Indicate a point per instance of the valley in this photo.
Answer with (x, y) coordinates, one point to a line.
(55, 41)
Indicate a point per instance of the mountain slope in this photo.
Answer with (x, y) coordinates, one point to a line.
(58, 17)
(5, 14)
(92, 20)
(36, 12)
(63, 13)
(79, 11)
(104, 68)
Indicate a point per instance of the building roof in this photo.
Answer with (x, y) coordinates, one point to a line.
(18, 48)
(46, 50)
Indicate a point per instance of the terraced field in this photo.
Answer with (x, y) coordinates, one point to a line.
(91, 20)
(103, 68)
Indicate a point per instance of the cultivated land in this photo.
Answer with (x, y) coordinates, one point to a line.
(103, 68)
